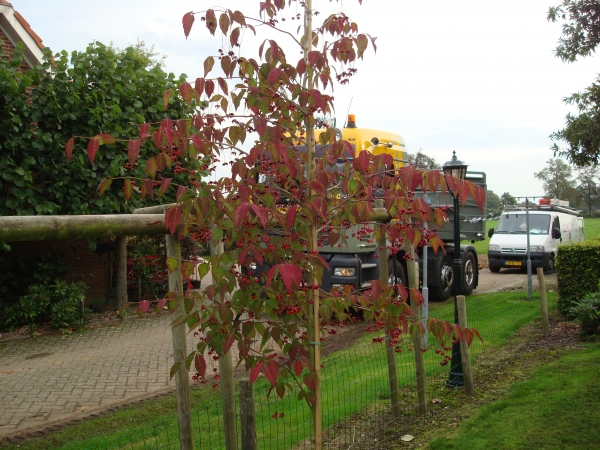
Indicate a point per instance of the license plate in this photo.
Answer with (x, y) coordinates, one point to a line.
(513, 263)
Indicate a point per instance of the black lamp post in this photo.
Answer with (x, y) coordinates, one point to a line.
(458, 170)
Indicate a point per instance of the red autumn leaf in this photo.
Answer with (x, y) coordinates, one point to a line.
(433, 180)
(436, 243)
(133, 149)
(416, 296)
(186, 91)
(464, 190)
(144, 131)
(476, 332)
(361, 164)
(228, 343)
(274, 75)
(69, 148)
(104, 185)
(160, 305)
(144, 306)
(468, 336)
(458, 334)
(172, 218)
(260, 213)
(147, 188)
(255, 372)
(417, 180)
(151, 167)
(410, 234)
(406, 175)
(180, 191)
(478, 195)
(234, 36)
(260, 125)
(271, 371)
(164, 185)
(200, 364)
(223, 85)
(128, 188)
(239, 18)
(333, 238)
(290, 216)
(211, 21)
(314, 58)
(240, 214)
(361, 43)
(199, 87)
(224, 23)
(452, 184)
(298, 367)
(209, 87)
(310, 381)
(208, 65)
(92, 148)
(301, 67)
(105, 138)
(187, 21)
(187, 269)
(291, 274)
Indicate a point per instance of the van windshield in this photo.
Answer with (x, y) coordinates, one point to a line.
(516, 224)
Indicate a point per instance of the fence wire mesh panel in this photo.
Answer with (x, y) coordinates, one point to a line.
(356, 395)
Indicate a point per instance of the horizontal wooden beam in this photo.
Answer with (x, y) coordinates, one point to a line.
(41, 228)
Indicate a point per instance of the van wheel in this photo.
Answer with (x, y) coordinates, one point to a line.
(550, 267)
(469, 274)
(443, 291)
(494, 269)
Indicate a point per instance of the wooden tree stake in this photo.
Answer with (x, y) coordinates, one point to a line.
(544, 303)
(464, 348)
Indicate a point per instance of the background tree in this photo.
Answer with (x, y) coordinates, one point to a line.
(421, 161)
(99, 90)
(557, 179)
(588, 186)
(580, 37)
(507, 200)
(493, 203)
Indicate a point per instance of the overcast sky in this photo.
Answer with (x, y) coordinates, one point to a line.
(474, 76)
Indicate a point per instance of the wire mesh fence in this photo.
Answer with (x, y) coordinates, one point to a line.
(356, 388)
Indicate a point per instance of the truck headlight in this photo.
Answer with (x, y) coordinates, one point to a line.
(494, 248)
(536, 248)
(344, 271)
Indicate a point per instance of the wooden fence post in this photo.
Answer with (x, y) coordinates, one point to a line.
(121, 278)
(413, 283)
(544, 304)
(247, 414)
(464, 348)
(226, 382)
(389, 348)
(182, 381)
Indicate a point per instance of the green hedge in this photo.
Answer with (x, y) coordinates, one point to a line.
(578, 272)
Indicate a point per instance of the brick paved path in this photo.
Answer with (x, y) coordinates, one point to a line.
(54, 378)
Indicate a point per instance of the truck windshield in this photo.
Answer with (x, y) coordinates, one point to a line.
(516, 224)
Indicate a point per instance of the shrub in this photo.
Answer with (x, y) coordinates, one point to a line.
(68, 309)
(577, 273)
(587, 312)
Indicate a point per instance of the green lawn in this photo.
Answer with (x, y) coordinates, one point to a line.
(557, 408)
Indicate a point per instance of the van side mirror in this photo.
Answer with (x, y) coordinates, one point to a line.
(490, 232)
(556, 233)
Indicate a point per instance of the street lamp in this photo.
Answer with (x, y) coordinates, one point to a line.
(458, 170)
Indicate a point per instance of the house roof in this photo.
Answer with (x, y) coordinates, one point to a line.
(17, 29)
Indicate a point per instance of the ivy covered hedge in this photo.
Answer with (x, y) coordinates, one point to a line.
(578, 272)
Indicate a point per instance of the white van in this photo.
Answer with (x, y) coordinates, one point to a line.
(551, 223)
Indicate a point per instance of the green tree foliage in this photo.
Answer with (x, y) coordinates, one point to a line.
(493, 202)
(507, 200)
(588, 186)
(422, 162)
(99, 90)
(557, 179)
(580, 37)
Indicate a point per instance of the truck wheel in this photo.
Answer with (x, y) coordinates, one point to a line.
(494, 269)
(442, 292)
(400, 275)
(469, 274)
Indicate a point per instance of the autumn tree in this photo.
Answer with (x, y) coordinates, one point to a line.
(507, 200)
(284, 203)
(580, 37)
(493, 202)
